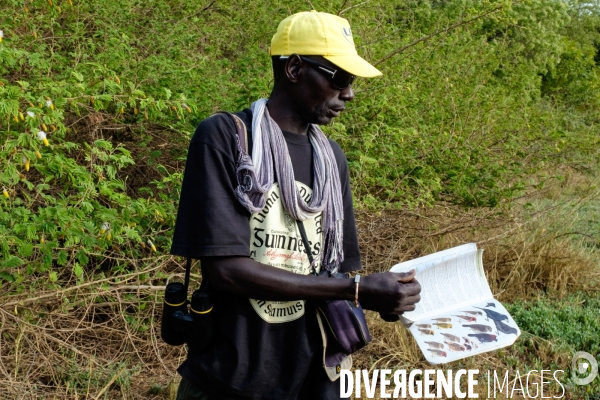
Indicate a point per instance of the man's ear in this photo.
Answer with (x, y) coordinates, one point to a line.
(293, 67)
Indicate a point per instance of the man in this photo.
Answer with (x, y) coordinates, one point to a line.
(240, 215)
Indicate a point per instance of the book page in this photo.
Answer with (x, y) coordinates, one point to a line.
(465, 332)
(449, 279)
(423, 263)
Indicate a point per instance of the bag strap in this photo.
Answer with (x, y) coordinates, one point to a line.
(306, 246)
(241, 131)
(188, 268)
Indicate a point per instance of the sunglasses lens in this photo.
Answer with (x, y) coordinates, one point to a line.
(342, 79)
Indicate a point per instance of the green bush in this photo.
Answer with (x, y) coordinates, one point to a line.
(497, 94)
(573, 321)
(570, 325)
(68, 200)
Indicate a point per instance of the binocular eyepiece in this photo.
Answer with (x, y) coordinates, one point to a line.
(179, 326)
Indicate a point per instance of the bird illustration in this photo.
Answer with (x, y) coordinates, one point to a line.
(451, 337)
(424, 326)
(455, 346)
(435, 345)
(496, 316)
(426, 331)
(484, 337)
(467, 318)
(468, 346)
(469, 342)
(473, 312)
(443, 325)
(442, 319)
(479, 327)
(438, 353)
(504, 328)
(490, 305)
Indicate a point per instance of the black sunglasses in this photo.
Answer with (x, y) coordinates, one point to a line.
(340, 78)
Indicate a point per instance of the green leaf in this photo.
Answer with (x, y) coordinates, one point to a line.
(103, 144)
(78, 271)
(82, 257)
(77, 76)
(87, 206)
(25, 249)
(7, 277)
(12, 262)
(62, 258)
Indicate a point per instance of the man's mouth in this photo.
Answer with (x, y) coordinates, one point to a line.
(336, 111)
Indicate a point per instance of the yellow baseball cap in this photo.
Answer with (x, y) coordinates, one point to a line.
(320, 34)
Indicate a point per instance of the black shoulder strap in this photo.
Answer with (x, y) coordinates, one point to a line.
(306, 246)
(241, 131)
(188, 268)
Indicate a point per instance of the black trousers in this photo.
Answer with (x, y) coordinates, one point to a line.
(317, 386)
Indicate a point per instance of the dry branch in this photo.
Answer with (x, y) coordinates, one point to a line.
(56, 294)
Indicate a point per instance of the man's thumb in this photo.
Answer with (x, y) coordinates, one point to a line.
(407, 276)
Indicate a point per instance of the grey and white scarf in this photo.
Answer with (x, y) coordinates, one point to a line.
(270, 158)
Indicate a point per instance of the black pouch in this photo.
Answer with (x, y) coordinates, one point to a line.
(345, 320)
(343, 324)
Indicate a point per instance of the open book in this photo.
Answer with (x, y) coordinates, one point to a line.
(457, 316)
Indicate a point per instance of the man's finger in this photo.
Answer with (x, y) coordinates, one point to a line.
(411, 288)
(404, 309)
(409, 304)
(407, 276)
(411, 300)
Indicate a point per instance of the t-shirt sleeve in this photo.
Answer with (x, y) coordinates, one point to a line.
(352, 261)
(210, 219)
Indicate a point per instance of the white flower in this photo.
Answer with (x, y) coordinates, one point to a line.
(49, 103)
(30, 114)
(105, 227)
(42, 137)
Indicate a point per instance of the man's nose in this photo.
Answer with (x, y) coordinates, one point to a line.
(347, 94)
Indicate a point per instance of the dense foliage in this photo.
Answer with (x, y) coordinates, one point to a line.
(98, 100)
(572, 324)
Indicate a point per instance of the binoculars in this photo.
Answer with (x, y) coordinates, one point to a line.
(180, 325)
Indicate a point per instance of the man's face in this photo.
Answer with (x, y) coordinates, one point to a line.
(320, 101)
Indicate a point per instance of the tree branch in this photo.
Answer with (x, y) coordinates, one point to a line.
(438, 32)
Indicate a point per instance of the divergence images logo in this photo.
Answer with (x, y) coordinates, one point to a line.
(581, 362)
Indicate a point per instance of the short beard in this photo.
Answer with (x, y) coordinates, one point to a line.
(321, 114)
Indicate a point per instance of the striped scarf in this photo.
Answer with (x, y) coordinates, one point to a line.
(256, 176)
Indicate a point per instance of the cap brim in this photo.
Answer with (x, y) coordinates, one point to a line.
(354, 64)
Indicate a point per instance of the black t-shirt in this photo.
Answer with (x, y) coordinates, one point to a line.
(260, 350)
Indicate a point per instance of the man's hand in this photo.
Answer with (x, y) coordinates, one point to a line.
(389, 293)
